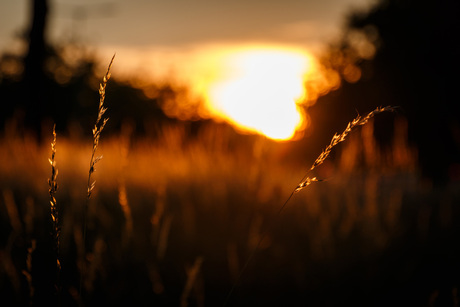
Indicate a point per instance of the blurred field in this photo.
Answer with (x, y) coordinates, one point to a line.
(173, 220)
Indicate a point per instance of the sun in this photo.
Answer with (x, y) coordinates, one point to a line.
(259, 89)
(256, 87)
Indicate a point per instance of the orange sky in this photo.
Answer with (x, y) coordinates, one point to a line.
(179, 23)
(159, 32)
(192, 42)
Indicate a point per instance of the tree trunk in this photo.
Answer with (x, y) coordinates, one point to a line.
(34, 71)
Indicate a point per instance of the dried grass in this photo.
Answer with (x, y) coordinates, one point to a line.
(308, 180)
(56, 230)
(53, 186)
(336, 139)
(162, 221)
(98, 127)
(28, 271)
(97, 130)
(192, 275)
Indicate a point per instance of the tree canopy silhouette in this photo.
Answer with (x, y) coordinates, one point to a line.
(405, 52)
(59, 83)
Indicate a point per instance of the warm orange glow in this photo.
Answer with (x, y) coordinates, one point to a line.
(259, 90)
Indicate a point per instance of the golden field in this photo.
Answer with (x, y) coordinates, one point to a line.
(173, 220)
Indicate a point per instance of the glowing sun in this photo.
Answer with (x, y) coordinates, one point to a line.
(260, 89)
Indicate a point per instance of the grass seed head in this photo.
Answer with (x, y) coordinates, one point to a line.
(336, 139)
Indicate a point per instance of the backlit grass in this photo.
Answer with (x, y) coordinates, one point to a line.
(172, 221)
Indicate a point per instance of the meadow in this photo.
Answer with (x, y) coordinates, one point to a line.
(172, 221)
(216, 218)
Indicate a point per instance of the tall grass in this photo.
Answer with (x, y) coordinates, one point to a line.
(189, 201)
(336, 139)
(56, 227)
(97, 130)
(307, 180)
(175, 226)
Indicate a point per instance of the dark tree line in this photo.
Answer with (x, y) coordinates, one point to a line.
(44, 87)
(416, 66)
(406, 52)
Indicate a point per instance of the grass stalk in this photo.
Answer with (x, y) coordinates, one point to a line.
(124, 204)
(56, 231)
(192, 274)
(308, 180)
(28, 271)
(97, 130)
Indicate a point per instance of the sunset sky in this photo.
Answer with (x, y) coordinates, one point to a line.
(204, 45)
(180, 24)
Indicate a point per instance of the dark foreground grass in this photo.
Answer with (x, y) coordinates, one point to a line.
(371, 235)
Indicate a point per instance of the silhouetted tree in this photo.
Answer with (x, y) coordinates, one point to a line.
(35, 79)
(45, 86)
(415, 47)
